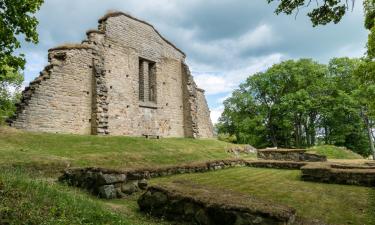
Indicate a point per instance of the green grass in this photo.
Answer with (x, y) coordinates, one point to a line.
(25, 200)
(334, 152)
(39, 200)
(56, 151)
(333, 204)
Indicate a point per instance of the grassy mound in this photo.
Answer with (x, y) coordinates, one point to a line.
(26, 201)
(56, 151)
(334, 152)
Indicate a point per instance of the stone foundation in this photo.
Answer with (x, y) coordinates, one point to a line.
(290, 155)
(194, 204)
(107, 183)
(363, 175)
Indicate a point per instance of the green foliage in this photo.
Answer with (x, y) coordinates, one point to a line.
(334, 152)
(298, 104)
(369, 8)
(227, 138)
(9, 80)
(326, 11)
(17, 20)
(29, 201)
(332, 11)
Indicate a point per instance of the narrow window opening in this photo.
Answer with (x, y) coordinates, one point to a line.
(141, 81)
(147, 81)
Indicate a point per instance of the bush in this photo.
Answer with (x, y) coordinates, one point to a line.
(227, 138)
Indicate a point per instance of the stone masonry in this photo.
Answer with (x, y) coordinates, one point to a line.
(124, 79)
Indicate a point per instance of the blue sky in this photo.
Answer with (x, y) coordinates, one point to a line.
(225, 41)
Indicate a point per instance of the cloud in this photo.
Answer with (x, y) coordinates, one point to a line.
(222, 82)
(213, 84)
(216, 113)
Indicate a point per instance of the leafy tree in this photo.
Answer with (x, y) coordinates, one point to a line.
(327, 11)
(298, 104)
(17, 22)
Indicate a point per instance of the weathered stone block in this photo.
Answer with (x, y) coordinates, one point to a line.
(110, 178)
(107, 191)
(130, 188)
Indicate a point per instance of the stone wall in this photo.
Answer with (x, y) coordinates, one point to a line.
(60, 99)
(128, 41)
(135, 82)
(194, 204)
(109, 183)
(205, 128)
(363, 175)
(290, 155)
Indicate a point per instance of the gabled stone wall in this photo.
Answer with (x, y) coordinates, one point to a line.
(124, 79)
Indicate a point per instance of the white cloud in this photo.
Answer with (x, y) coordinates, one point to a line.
(226, 52)
(35, 63)
(225, 81)
(216, 113)
(221, 100)
(213, 84)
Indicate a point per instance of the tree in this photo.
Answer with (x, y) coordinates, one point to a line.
(298, 104)
(328, 11)
(17, 22)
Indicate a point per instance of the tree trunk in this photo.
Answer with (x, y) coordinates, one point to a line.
(369, 132)
(326, 140)
(371, 140)
(312, 129)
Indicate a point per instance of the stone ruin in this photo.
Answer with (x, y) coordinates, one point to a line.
(195, 204)
(124, 79)
(356, 174)
(296, 155)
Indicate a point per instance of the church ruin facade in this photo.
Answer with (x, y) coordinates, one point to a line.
(124, 79)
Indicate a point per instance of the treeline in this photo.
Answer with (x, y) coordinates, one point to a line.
(297, 104)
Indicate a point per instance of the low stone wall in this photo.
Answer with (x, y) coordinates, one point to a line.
(275, 164)
(363, 175)
(196, 205)
(290, 155)
(109, 183)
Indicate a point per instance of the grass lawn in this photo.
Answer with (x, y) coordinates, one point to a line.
(53, 152)
(333, 204)
(334, 152)
(35, 198)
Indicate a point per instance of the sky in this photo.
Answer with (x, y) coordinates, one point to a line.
(225, 41)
